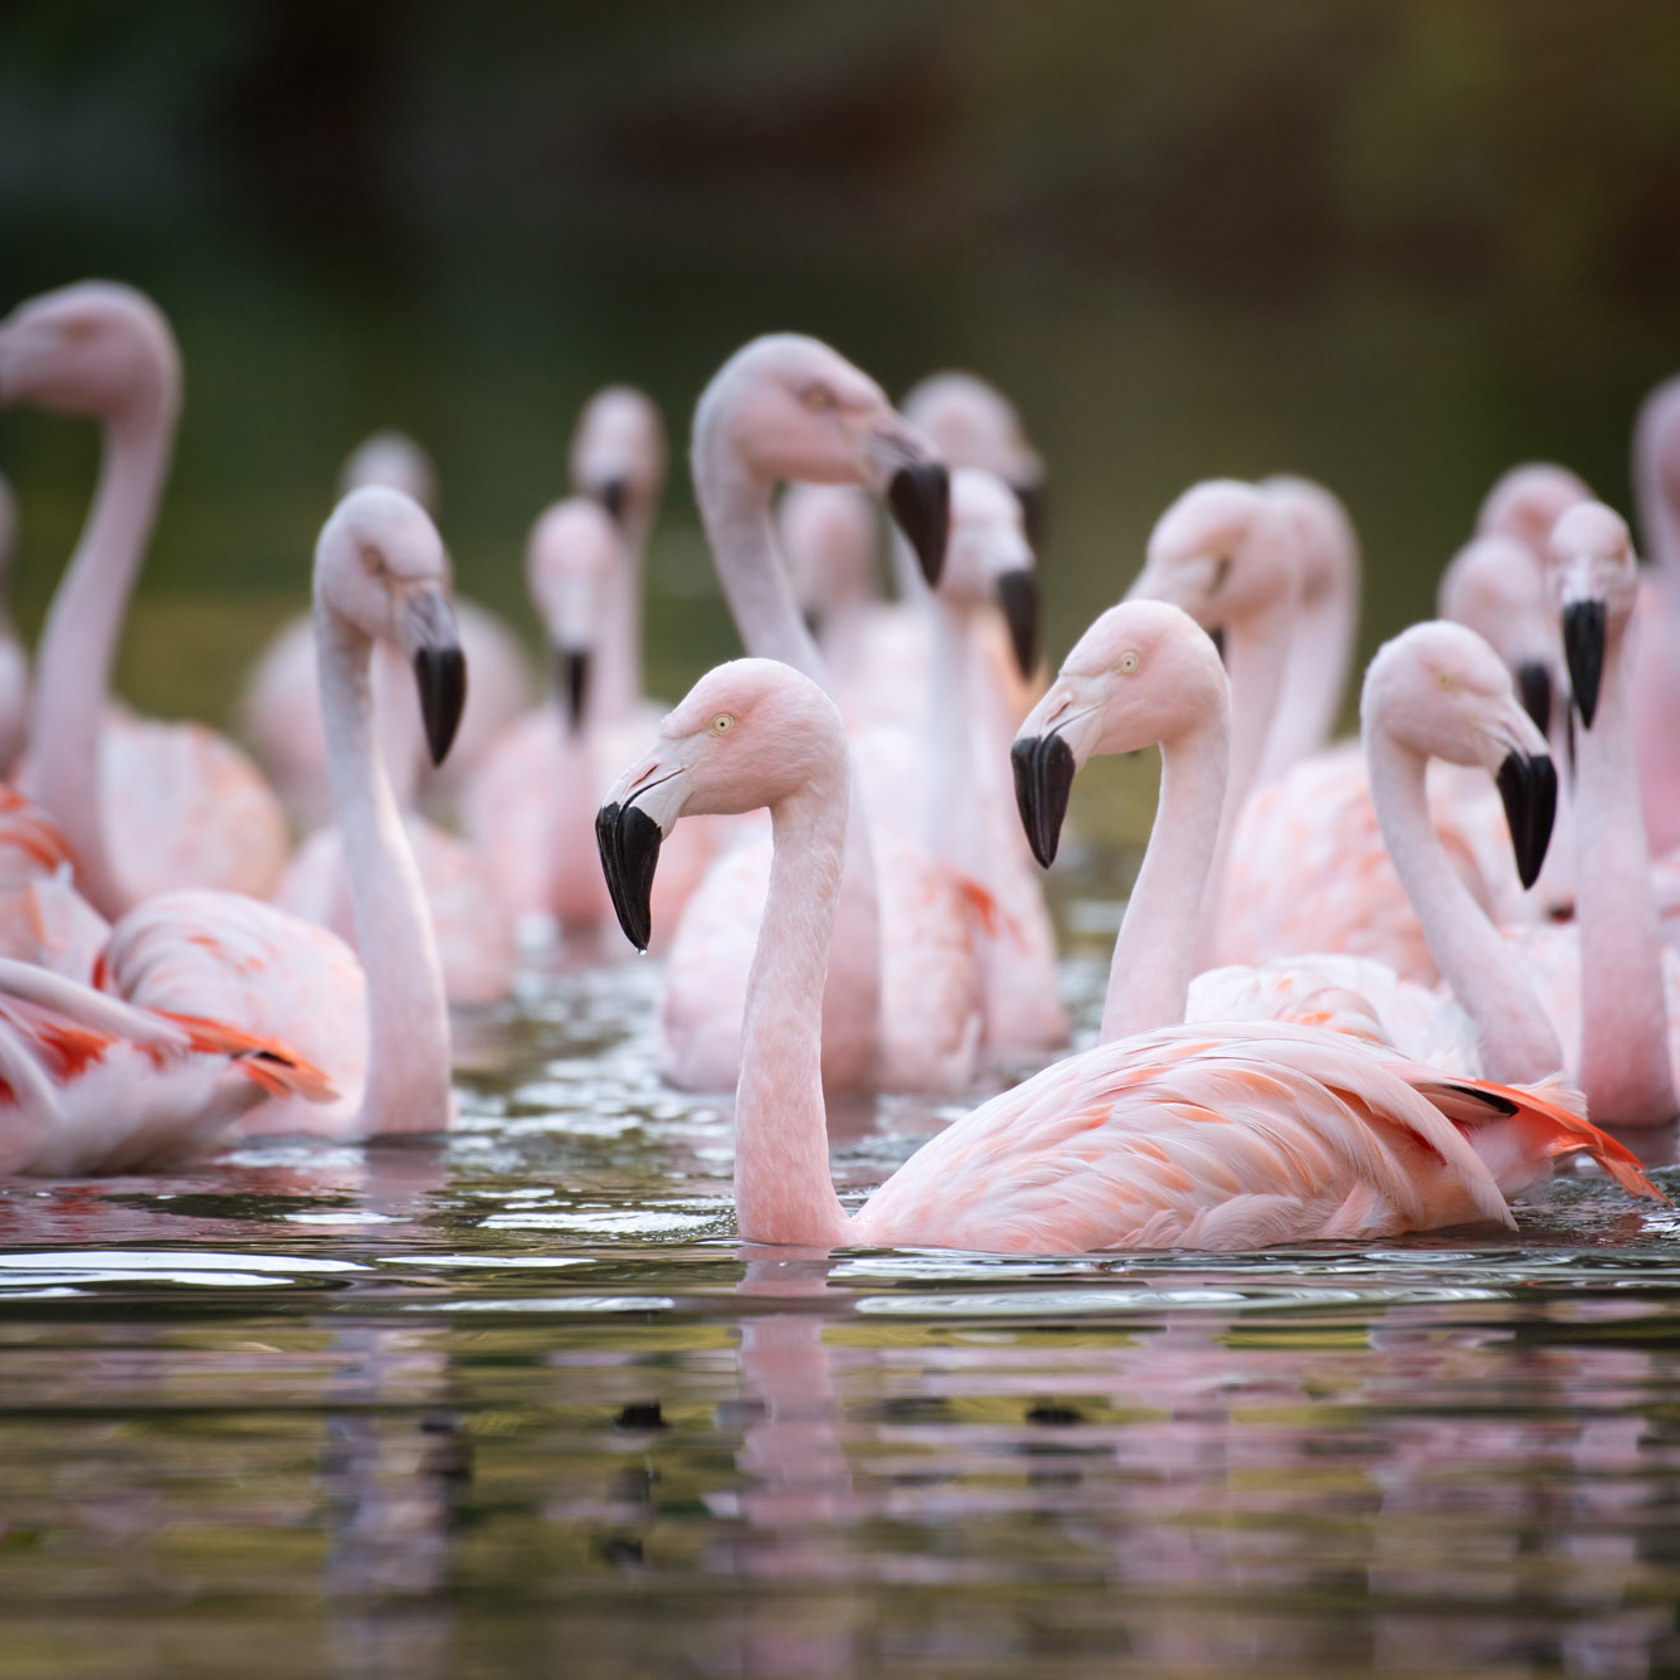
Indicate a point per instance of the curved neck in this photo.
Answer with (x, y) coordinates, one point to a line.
(1257, 652)
(616, 682)
(1154, 956)
(408, 1021)
(1624, 1067)
(1310, 704)
(79, 642)
(1516, 1039)
(783, 1189)
(735, 508)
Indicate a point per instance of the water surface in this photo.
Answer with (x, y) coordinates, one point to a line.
(521, 1403)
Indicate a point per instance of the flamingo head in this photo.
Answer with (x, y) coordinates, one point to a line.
(97, 349)
(1224, 551)
(788, 407)
(973, 424)
(990, 561)
(1143, 674)
(380, 566)
(1439, 691)
(750, 733)
(395, 460)
(1595, 584)
(1526, 502)
(1495, 586)
(619, 456)
(574, 557)
(1327, 545)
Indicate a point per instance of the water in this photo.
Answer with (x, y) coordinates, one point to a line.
(521, 1404)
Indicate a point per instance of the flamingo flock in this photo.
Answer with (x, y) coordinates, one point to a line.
(1359, 989)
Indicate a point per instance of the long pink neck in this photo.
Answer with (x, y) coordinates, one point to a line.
(575, 885)
(79, 642)
(1624, 1067)
(408, 1021)
(1321, 652)
(616, 682)
(1659, 518)
(1257, 650)
(783, 1189)
(735, 507)
(953, 831)
(1485, 975)
(1154, 957)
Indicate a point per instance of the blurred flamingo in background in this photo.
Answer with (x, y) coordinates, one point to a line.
(14, 661)
(173, 804)
(1210, 1139)
(1654, 674)
(281, 709)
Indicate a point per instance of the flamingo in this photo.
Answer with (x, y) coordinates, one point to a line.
(182, 805)
(378, 1028)
(280, 712)
(530, 807)
(1300, 864)
(943, 786)
(1655, 670)
(903, 1009)
(14, 661)
(92, 1085)
(1219, 1139)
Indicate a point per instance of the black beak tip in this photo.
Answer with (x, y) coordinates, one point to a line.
(1032, 500)
(1534, 689)
(1583, 649)
(1018, 596)
(1044, 771)
(441, 674)
(1528, 787)
(628, 840)
(920, 499)
(574, 686)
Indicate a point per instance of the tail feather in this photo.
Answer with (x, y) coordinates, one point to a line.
(266, 1062)
(1549, 1119)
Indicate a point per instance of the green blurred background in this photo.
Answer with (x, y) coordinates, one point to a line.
(1394, 244)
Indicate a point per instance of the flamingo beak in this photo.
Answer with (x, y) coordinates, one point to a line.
(1018, 596)
(919, 495)
(427, 631)
(1528, 786)
(1583, 649)
(614, 495)
(629, 840)
(641, 809)
(574, 685)
(1031, 496)
(1534, 688)
(1044, 768)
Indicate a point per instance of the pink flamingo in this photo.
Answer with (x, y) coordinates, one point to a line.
(943, 785)
(1655, 670)
(280, 712)
(14, 661)
(380, 1033)
(903, 1005)
(90, 1084)
(1301, 865)
(1527, 501)
(1179, 1137)
(530, 808)
(185, 806)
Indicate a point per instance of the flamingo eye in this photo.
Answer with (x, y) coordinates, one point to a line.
(1129, 661)
(722, 723)
(1444, 681)
(817, 398)
(373, 562)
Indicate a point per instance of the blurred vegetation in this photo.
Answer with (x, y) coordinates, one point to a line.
(1396, 245)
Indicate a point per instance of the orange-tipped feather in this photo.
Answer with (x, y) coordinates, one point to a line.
(265, 1061)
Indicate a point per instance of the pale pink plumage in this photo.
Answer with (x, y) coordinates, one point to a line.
(90, 1084)
(176, 804)
(1182, 1136)
(14, 661)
